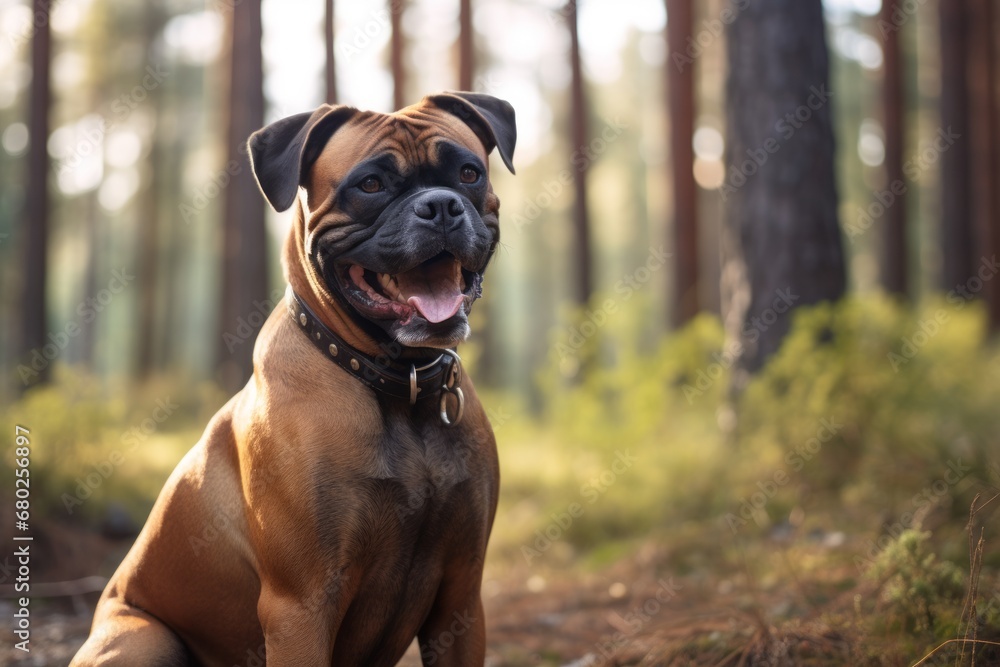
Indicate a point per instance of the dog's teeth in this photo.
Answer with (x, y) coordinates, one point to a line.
(389, 286)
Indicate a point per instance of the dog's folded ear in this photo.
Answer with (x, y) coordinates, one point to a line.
(282, 152)
(491, 118)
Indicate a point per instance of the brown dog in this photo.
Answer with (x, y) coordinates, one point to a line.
(340, 504)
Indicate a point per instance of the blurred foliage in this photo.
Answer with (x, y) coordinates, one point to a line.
(98, 444)
(922, 593)
(849, 428)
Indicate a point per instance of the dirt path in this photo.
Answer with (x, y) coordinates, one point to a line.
(634, 612)
(626, 615)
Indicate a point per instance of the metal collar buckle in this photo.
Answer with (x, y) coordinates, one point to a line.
(451, 384)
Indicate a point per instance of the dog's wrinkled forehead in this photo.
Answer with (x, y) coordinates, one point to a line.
(284, 155)
(412, 138)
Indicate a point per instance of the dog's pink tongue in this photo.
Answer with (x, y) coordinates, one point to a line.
(433, 288)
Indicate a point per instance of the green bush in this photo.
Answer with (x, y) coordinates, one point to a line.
(906, 403)
(865, 406)
(123, 439)
(921, 593)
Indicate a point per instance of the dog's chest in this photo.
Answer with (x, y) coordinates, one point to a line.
(418, 481)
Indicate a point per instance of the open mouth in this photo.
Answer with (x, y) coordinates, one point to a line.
(435, 289)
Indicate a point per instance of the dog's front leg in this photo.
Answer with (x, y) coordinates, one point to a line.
(295, 633)
(454, 635)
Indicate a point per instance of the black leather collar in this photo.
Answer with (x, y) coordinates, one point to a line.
(415, 381)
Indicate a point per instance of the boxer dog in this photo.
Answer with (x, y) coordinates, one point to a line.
(340, 504)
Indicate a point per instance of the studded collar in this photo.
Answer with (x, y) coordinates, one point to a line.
(413, 382)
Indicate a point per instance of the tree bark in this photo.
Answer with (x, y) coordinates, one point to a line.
(985, 117)
(148, 232)
(583, 286)
(681, 102)
(781, 240)
(957, 230)
(466, 46)
(244, 251)
(331, 63)
(34, 303)
(397, 48)
(894, 265)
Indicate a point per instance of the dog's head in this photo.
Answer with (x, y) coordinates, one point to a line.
(399, 218)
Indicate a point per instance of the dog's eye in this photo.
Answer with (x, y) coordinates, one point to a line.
(371, 185)
(468, 175)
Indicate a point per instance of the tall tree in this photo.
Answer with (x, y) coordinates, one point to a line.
(331, 63)
(466, 46)
(781, 241)
(148, 232)
(397, 49)
(33, 315)
(244, 238)
(488, 365)
(894, 264)
(583, 285)
(985, 117)
(681, 102)
(956, 193)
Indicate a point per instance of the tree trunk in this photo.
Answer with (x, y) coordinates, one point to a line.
(681, 102)
(488, 366)
(90, 217)
(244, 251)
(466, 46)
(148, 233)
(894, 264)
(397, 47)
(331, 63)
(985, 117)
(34, 322)
(583, 286)
(956, 193)
(781, 241)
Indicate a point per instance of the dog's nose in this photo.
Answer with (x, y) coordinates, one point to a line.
(440, 208)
